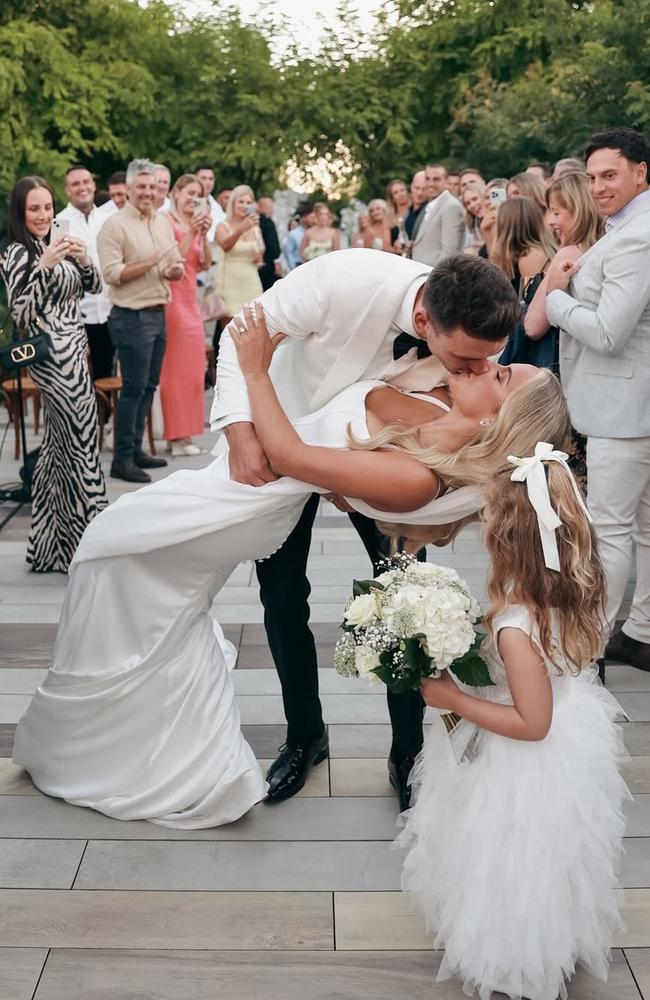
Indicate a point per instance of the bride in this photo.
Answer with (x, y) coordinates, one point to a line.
(136, 717)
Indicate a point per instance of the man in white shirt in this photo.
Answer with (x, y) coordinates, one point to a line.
(85, 221)
(204, 173)
(116, 192)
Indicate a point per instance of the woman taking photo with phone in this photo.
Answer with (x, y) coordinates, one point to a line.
(47, 274)
(241, 251)
(183, 371)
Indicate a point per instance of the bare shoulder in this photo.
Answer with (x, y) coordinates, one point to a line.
(413, 484)
(532, 262)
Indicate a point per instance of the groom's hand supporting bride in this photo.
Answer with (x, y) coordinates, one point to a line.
(248, 461)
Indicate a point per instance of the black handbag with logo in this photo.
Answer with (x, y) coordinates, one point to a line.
(24, 351)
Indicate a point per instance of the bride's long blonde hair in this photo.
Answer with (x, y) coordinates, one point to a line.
(536, 411)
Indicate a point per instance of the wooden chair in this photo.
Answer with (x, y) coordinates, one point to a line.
(107, 391)
(10, 393)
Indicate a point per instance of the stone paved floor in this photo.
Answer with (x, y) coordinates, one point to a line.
(298, 901)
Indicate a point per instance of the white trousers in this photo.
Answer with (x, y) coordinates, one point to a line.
(619, 501)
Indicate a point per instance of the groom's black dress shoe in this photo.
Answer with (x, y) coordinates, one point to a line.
(398, 775)
(623, 649)
(288, 773)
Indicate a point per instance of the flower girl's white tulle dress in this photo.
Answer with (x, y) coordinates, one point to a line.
(513, 857)
(137, 717)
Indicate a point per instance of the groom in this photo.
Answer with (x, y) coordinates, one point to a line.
(351, 315)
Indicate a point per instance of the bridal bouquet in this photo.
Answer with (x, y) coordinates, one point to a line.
(413, 621)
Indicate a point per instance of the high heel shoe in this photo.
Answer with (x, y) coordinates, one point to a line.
(177, 449)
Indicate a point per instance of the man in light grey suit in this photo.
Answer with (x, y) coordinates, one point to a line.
(440, 230)
(604, 321)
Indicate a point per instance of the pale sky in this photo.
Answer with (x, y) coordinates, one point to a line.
(302, 12)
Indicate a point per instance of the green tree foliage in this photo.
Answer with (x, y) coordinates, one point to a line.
(494, 83)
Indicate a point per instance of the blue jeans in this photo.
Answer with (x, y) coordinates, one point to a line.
(139, 337)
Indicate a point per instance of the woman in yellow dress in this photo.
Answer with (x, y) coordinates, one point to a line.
(240, 252)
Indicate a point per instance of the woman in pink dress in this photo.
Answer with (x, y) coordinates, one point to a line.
(183, 371)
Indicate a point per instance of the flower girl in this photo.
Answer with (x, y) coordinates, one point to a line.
(513, 856)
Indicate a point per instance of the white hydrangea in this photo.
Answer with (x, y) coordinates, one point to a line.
(365, 660)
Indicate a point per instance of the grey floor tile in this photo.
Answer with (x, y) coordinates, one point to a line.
(636, 704)
(19, 972)
(635, 870)
(39, 864)
(621, 677)
(244, 867)
(21, 680)
(308, 818)
(639, 961)
(636, 736)
(14, 780)
(397, 924)
(259, 657)
(636, 772)
(638, 817)
(12, 706)
(26, 645)
(360, 777)
(265, 740)
(325, 633)
(55, 918)
(7, 739)
(255, 710)
(121, 975)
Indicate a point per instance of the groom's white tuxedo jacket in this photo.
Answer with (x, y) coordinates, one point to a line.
(341, 313)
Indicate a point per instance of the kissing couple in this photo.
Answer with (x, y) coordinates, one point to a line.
(382, 393)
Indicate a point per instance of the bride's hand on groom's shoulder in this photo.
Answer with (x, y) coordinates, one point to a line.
(255, 349)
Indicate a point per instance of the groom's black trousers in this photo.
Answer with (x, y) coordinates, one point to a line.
(285, 590)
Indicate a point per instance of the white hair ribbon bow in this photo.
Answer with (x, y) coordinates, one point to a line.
(531, 471)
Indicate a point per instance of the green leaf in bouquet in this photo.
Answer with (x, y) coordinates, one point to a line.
(471, 669)
(360, 587)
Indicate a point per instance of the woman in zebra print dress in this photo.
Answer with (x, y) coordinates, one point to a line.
(45, 282)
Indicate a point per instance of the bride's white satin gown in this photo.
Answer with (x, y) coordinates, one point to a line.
(136, 717)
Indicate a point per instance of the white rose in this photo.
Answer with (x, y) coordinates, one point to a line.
(362, 610)
(365, 660)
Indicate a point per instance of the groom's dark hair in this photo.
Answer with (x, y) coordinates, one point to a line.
(474, 294)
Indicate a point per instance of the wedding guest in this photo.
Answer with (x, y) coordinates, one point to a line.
(568, 163)
(204, 173)
(488, 222)
(46, 279)
(442, 229)
(540, 170)
(223, 198)
(398, 202)
(116, 187)
(453, 181)
(574, 218)
(527, 186)
(321, 238)
(271, 268)
(419, 199)
(139, 258)
(294, 237)
(470, 175)
(359, 238)
(85, 220)
(602, 309)
(240, 252)
(544, 779)
(163, 184)
(377, 235)
(523, 247)
(183, 369)
(472, 201)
